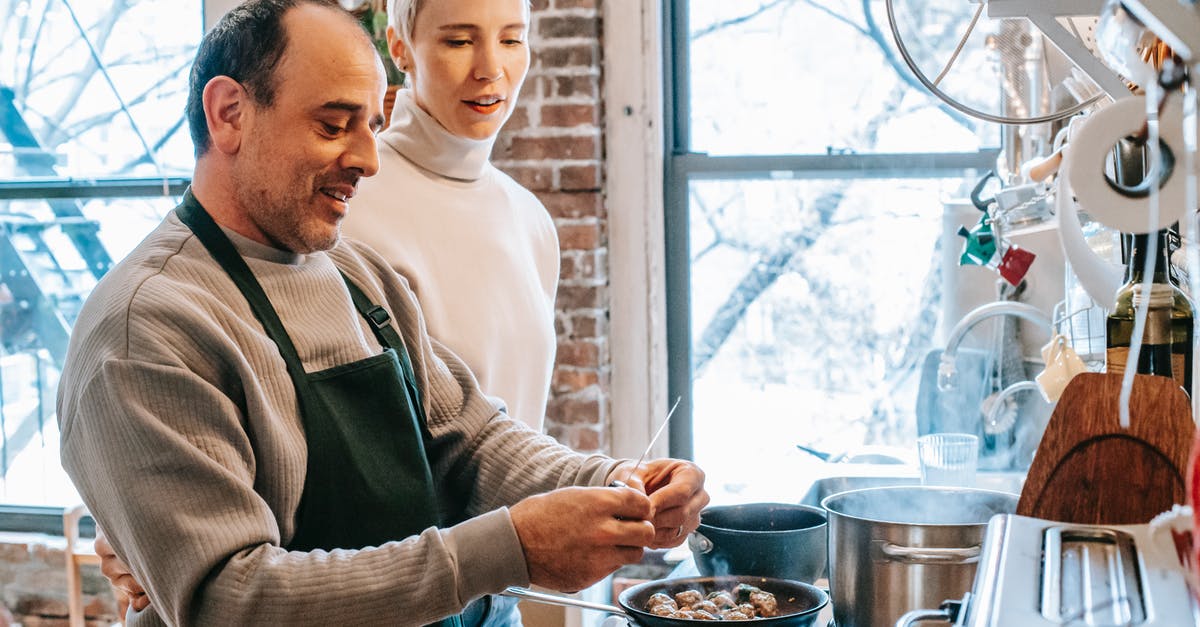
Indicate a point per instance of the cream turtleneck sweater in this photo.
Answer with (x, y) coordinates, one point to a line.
(480, 251)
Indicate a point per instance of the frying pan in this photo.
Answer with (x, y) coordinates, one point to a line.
(799, 603)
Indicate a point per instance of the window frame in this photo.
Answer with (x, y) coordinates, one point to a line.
(681, 166)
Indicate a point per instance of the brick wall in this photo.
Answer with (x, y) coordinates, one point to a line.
(33, 583)
(553, 145)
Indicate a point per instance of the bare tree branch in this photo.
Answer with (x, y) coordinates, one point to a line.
(723, 24)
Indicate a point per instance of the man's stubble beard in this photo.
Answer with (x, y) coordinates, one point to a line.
(279, 216)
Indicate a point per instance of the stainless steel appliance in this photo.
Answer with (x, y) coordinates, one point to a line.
(1035, 572)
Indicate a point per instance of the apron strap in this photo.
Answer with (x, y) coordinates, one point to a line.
(380, 319)
(223, 251)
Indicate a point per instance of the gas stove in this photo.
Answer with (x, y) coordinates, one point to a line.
(1035, 573)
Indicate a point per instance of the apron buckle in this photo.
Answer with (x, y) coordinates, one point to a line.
(379, 316)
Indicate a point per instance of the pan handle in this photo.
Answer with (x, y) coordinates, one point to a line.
(924, 555)
(556, 599)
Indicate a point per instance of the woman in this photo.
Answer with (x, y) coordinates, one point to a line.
(479, 250)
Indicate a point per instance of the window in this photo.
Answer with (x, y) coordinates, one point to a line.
(807, 180)
(94, 151)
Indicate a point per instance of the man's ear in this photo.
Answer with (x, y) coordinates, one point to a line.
(226, 104)
(398, 50)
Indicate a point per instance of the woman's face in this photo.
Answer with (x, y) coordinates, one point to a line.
(466, 62)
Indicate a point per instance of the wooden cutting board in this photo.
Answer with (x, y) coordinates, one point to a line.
(1089, 470)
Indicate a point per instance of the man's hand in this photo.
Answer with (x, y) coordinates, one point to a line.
(574, 537)
(128, 592)
(676, 490)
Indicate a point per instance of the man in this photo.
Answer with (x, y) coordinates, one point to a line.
(253, 412)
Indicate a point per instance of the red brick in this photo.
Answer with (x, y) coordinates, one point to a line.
(558, 27)
(570, 86)
(582, 354)
(579, 178)
(580, 297)
(568, 147)
(575, 4)
(574, 410)
(539, 5)
(588, 326)
(584, 236)
(567, 380)
(567, 56)
(532, 178)
(572, 205)
(569, 115)
(519, 120)
(583, 265)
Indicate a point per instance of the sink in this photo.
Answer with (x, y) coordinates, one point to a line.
(1010, 482)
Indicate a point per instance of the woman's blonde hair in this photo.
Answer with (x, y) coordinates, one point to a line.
(402, 16)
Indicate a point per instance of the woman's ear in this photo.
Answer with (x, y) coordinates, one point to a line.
(225, 105)
(398, 50)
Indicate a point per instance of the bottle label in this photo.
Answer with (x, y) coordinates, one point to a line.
(1117, 357)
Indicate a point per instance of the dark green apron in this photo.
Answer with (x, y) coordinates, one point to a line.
(368, 479)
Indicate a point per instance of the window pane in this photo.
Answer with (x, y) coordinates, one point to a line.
(47, 279)
(814, 304)
(96, 88)
(811, 78)
(87, 89)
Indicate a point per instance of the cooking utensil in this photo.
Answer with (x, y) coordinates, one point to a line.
(898, 548)
(1089, 470)
(617, 483)
(780, 540)
(1039, 573)
(799, 603)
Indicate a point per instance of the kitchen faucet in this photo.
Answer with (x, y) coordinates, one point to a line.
(947, 378)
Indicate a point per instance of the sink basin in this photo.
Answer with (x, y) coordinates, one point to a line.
(1010, 482)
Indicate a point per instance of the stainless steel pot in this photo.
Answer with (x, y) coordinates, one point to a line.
(898, 548)
(780, 540)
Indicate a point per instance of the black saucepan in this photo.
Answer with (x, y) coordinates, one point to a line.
(799, 603)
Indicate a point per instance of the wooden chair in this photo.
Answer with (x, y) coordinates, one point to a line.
(1089, 470)
(78, 555)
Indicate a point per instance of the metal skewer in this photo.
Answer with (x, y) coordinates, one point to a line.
(617, 483)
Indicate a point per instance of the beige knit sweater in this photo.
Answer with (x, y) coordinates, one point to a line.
(180, 429)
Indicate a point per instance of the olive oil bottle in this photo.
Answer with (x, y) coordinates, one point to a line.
(1167, 341)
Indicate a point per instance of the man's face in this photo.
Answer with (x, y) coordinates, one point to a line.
(468, 59)
(301, 156)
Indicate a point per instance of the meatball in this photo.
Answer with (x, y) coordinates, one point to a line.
(657, 599)
(702, 615)
(663, 609)
(764, 603)
(722, 599)
(707, 606)
(688, 598)
(735, 615)
(747, 609)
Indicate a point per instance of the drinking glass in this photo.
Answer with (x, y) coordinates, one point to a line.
(948, 459)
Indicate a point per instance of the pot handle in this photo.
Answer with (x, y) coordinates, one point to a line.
(698, 543)
(917, 616)
(925, 555)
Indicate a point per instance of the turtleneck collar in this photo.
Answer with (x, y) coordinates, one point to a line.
(421, 139)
